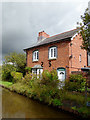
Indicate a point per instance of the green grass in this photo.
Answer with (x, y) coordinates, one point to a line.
(5, 83)
(78, 98)
(83, 110)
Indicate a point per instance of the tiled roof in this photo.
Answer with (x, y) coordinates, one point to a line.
(55, 38)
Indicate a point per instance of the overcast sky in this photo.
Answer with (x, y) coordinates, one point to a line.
(21, 21)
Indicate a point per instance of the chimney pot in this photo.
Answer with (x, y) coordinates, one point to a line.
(42, 35)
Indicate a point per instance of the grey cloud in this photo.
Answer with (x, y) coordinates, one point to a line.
(21, 22)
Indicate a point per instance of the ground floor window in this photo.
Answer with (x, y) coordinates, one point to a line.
(37, 71)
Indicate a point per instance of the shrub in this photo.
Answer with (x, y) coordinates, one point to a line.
(6, 72)
(44, 88)
(57, 102)
(50, 78)
(75, 83)
(17, 76)
(18, 60)
(46, 77)
(27, 78)
(76, 78)
(74, 97)
(28, 69)
(83, 110)
(54, 75)
(0, 72)
(54, 79)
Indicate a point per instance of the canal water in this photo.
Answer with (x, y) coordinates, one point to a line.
(18, 106)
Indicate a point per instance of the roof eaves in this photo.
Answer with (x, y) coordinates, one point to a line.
(41, 43)
(65, 39)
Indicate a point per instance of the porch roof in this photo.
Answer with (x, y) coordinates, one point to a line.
(37, 66)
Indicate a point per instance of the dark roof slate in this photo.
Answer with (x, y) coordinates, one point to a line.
(55, 38)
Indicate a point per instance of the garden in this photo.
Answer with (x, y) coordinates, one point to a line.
(46, 88)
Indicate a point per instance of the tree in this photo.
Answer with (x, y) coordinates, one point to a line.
(0, 72)
(6, 72)
(18, 60)
(85, 30)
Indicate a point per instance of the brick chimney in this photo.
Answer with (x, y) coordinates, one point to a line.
(42, 35)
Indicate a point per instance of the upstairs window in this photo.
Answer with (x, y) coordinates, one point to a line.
(88, 59)
(35, 55)
(52, 52)
(80, 58)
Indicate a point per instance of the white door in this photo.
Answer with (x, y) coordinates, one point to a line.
(61, 75)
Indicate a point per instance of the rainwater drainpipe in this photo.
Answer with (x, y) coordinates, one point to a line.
(71, 54)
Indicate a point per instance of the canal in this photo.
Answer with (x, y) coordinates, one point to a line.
(18, 106)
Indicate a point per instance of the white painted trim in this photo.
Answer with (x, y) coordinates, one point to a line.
(35, 57)
(75, 35)
(52, 57)
(80, 58)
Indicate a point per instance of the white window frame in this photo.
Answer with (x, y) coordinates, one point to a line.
(35, 55)
(52, 52)
(80, 58)
(88, 59)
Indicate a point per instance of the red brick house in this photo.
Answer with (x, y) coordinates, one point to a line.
(61, 52)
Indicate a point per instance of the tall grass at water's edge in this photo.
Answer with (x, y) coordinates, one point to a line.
(5, 83)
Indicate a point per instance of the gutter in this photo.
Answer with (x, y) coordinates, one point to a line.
(65, 39)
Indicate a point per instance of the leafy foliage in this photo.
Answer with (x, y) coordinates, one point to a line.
(50, 78)
(57, 102)
(6, 72)
(28, 69)
(39, 88)
(85, 30)
(18, 60)
(75, 83)
(0, 72)
(17, 76)
(6, 83)
(27, 79)
(33, 87)
(84, 110)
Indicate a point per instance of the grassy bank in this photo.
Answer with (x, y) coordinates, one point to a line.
(5, 83)
(69, 101)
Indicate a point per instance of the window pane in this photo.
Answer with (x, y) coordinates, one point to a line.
(80, 58)
(51, 52)
(89, 59)
(37, 55)
(33, 56)
(54, 52)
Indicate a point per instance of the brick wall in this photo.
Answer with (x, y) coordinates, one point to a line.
(76, 51)
(64, 50)
(61, 61)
